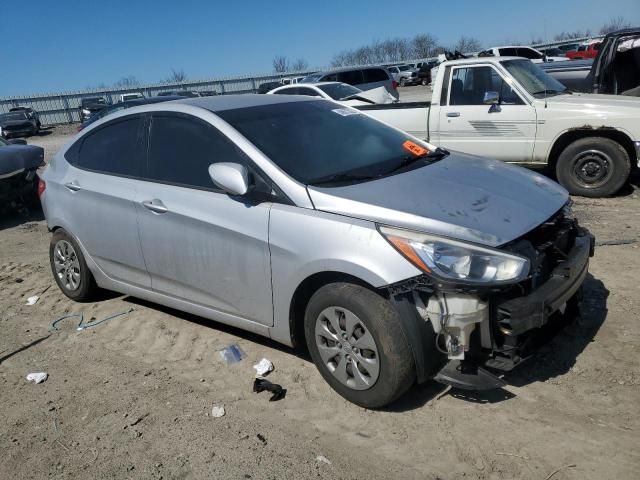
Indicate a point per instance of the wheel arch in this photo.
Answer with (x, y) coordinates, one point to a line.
(305, 291)
(568, 137)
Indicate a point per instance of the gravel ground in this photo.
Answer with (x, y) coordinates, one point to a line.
(132, 397)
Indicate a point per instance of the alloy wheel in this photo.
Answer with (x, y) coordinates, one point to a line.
(67, 266)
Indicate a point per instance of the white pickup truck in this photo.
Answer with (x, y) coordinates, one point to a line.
(509, 109)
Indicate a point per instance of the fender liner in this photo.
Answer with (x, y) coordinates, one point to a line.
(420, 336)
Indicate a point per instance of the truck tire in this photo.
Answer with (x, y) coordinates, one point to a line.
(70, 269)
(593, 167)
(403, 82)
(355, 341)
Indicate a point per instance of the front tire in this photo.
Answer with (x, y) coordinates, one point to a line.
(593, 167)
(355, 340)
(403, 82)
(70, 269)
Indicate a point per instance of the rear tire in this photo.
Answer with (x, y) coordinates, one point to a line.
(358, 330)
(70, 269)
(593, 167)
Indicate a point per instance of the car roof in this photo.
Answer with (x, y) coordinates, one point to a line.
(230, 102)
(464, 61)
(347, 69)
(513, 46)
(314, 84)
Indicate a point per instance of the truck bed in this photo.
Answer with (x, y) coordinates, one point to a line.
(412, 117)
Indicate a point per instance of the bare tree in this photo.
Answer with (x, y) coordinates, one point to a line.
(467, 45)
(422, 45)
(299, 65)
(280, 64)
(614, 24)
(127, 82)
(571, 35)
(176, 76)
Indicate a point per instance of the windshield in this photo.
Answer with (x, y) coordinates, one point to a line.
(535, 81)
(313, 141)
(13, 116)
(338, 91)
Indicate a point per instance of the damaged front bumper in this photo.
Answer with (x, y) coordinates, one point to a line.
(495, 328)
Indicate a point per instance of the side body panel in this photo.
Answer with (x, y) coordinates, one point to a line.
(305, 242)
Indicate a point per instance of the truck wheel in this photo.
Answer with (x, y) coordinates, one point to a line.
(593, 167)
(353, 336)
(403, 82)
(69, 268)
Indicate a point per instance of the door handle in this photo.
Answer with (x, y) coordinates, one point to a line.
(453, 114)
(155, 206)
(73, 186)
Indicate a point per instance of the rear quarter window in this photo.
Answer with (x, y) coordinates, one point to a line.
(115, 148)
(351, 77)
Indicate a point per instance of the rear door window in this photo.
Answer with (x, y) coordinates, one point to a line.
(373, 75)
(528, 53)
(116, 148)
(182, 147)
(352, 77)
(508, 52)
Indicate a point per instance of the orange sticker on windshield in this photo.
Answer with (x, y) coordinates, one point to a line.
(414, 148)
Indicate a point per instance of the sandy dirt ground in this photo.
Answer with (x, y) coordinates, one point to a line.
(132, 397)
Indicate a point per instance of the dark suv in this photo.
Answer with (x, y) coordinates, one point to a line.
(90, 105)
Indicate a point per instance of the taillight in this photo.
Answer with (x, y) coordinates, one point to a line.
(395, 84)
(42, 186)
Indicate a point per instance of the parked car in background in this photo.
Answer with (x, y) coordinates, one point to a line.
(31, 114)
(394, 261)
(18, 123)
(425, 73)
(614, 71)
(509, 109)
(568, 47)
(18, 165)
(291, 80)
(179, 93)
(116, 107)
(130, 96)
(552, 52)
(365, 78)
(268, 86)
(521, 51)
(588, 50)
(403, 74)
(339, 92)
(91, 105)
(207, 93)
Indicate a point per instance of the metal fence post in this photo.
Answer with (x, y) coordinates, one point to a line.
(65, 103)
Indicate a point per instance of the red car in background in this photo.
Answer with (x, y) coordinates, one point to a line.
(584, 51)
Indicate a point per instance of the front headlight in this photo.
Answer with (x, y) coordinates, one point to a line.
(454, 261)
(86, 112)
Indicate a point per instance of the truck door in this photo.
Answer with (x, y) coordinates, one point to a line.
(505, 131)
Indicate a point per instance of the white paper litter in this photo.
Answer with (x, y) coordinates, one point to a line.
(323, 459)
(32, 300)
(37, 377)
(217, 411)
(263, 367)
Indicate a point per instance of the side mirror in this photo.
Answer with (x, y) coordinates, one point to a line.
(491, 98)
(17, 141)
(232, 178)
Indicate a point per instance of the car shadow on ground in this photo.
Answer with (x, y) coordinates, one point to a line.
(19, 214)
(558, 356)
(221, 327)
(555, 357)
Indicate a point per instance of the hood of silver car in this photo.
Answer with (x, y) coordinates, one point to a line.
(463, 197)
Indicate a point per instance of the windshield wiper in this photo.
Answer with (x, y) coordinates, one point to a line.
(437, 154)
(341, 177)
